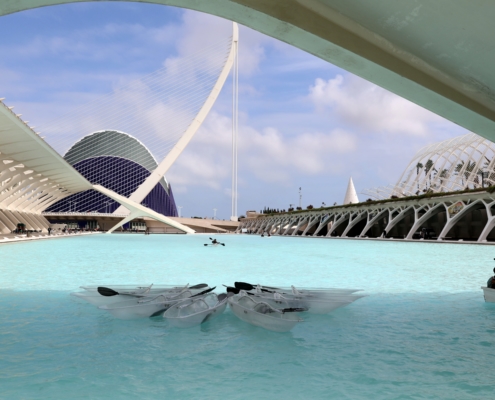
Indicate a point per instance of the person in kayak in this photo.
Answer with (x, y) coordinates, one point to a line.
(214, 241)
(491, 281)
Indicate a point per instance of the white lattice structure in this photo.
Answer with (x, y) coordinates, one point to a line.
(451, 165)
(454, 217)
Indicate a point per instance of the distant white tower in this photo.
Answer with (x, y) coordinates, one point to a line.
(235, 112)
(351, 195)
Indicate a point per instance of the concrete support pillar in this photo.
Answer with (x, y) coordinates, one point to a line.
(338, 221)
(392, 221)
(420, 221)
(35, 224)
(323, 221)
(3, 228)
(263, 225)
(299, 224)
(312, 222)
(41, 220)
(7, 221)
(272, 226)
(282, 224)
(290, 222)
(353, 221)
(451, 221)
(490, 224)
(20, 218)
(372, 220)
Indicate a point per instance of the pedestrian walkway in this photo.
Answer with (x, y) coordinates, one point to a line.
(23, 237)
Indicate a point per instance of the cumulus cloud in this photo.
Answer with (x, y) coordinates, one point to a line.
(365, 106)
(267, 153)
(199, 30)
(271, 155)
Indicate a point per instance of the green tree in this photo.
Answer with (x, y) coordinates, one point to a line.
(470, 167)
(458, 169)
(428, 169)
(419, 167)
(443, 175)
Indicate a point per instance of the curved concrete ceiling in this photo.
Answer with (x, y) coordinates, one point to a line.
(438, 54)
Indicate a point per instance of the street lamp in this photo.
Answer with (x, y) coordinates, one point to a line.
(179, 207)
(75, 202)
(108, 205)
(214, 213)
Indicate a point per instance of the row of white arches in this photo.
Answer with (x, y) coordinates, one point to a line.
(467, 217)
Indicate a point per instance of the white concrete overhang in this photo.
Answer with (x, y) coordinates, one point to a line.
(436, 53)
(20, 143)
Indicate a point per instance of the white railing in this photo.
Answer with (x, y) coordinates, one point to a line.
(82, 214)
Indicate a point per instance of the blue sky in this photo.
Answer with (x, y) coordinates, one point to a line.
(303, 122)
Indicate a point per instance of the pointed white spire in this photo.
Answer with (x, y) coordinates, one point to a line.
(350, 194)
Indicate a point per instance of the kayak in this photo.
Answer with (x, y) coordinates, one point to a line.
(136, 288)
(321, 301)
(312, 305)
(262, 314)
(119, 293)
(489, 294)
(316, 292)
(195, 311)
(143, 307)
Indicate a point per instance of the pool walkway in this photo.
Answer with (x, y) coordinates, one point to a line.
(22, 237)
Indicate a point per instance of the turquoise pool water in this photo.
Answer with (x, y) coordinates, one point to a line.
(423, 332)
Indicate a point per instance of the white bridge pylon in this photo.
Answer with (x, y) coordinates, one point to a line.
(145, 188)
(137, 210)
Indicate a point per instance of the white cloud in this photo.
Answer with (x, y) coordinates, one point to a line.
(275, 157)
(370, 108)
(199, 31)
(268, 154)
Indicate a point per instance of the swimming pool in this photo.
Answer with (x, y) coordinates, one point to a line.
(424, 331)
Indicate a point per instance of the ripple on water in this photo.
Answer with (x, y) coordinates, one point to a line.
(423, 331)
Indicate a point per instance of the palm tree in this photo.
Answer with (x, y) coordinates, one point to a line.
(458, 169)
(470, 167)
(428, 167)
(443, 175)
(419, 167)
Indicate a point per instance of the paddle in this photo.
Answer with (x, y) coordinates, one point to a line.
(296, 309)
(199, 286)
(248, 286)
(104, 291)
(230, 289)
(223, 244)
(213, 244)
(204, 291)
